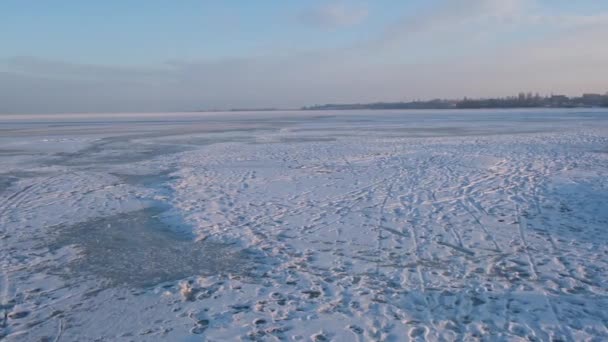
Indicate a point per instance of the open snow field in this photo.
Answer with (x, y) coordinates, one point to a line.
(341, 226)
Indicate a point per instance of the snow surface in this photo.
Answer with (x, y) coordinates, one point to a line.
(344, 226)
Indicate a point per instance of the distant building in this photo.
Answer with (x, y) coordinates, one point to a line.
(593, 99)
(558, 100)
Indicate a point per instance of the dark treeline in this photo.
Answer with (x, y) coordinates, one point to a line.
(522, 100)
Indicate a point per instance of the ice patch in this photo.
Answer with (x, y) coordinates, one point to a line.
(139, 249)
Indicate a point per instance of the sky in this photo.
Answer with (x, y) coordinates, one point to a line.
(165, 55)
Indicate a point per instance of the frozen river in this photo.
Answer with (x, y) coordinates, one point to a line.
(343, 226)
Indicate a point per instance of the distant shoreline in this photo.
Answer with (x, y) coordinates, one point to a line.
(328, 109)
(521, 101)
(429, 108)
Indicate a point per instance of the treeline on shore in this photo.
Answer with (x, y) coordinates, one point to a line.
(522, 100)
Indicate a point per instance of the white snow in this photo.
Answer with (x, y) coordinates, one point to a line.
(379, 226)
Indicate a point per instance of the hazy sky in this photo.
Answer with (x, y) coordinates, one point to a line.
(167, 55)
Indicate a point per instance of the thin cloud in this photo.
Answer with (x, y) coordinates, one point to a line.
(462, 19)
(334, 15)
(450, 17)
(40, 67)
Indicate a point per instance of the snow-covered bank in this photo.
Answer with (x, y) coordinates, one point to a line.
(341, 226)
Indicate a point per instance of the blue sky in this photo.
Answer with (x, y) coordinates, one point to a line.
(189, 54)
(135, 32)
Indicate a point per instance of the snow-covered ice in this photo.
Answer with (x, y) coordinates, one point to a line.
(342, 226)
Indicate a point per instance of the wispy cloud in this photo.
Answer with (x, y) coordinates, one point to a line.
(334, 15)
(40, 67)
(463, 19)
(453, 18)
